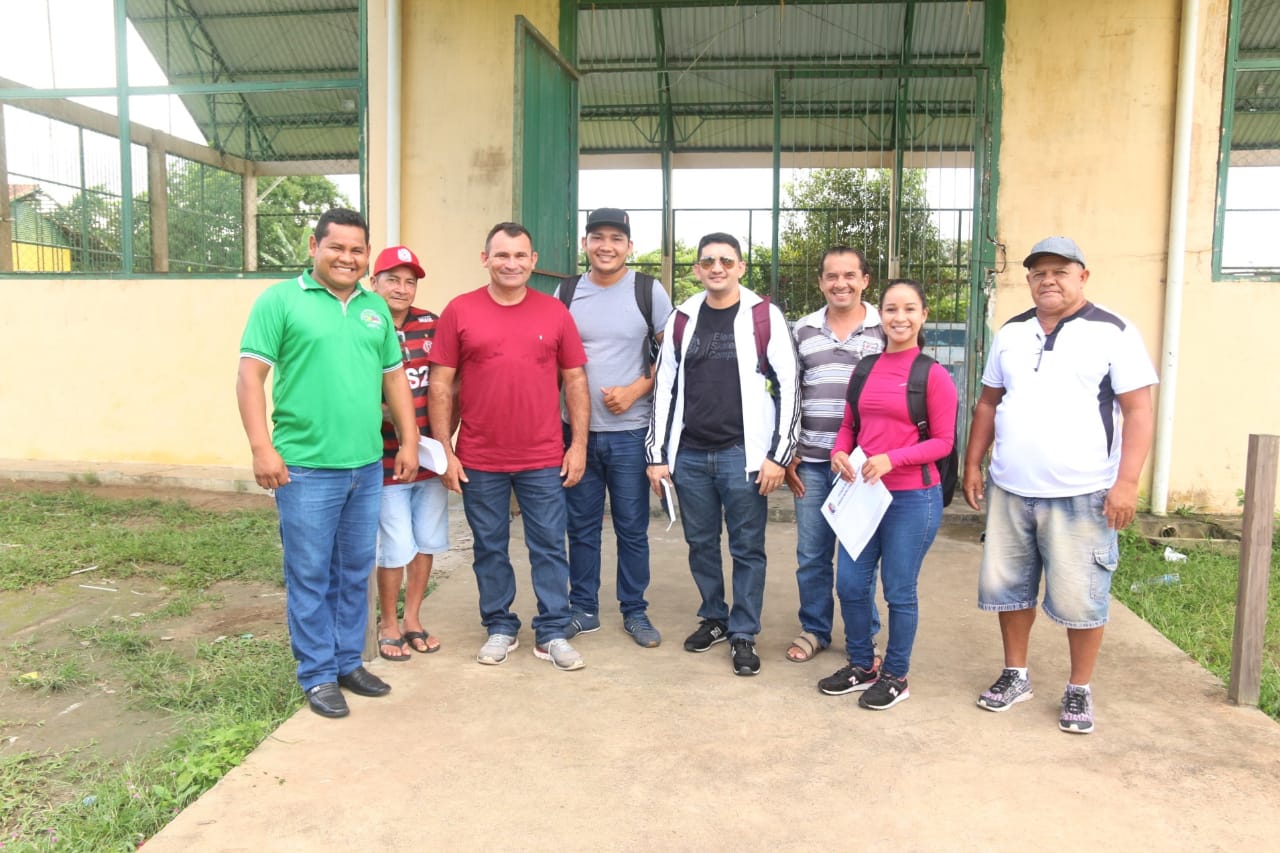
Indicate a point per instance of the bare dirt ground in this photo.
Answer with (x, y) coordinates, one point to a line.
(39, 623)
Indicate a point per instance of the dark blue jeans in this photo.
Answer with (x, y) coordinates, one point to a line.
(329, 529)
(486, 499)
(711, 485)
(615, 463)
(815, 555)
(898, 545)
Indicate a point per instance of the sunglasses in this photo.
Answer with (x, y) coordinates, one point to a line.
(709, 263)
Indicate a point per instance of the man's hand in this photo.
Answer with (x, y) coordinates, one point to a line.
(770, 476)
(618, 398)
(406, 463)
(841, 465)
(794, 483)
(269, 469)
(1121, 505)
(875, 468)
(573, 466)
(454, 475)
(973, 487)
(658, 473)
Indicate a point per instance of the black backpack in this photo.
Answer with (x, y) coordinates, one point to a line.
(644, 301)
(917, 410)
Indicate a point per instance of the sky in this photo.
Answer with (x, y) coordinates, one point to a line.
(66, 43)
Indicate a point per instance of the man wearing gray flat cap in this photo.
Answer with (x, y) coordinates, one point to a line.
(1066, 399)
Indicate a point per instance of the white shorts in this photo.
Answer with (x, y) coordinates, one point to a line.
(414, 519)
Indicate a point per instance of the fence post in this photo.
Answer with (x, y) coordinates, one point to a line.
(1255, 569)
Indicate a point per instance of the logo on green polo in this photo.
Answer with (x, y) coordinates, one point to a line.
(371, 318)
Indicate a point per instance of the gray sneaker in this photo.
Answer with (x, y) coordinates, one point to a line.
(560, 653)
(583, 622)
(495, 649)
(1077, 711)
(642, 630)
(1008, 691)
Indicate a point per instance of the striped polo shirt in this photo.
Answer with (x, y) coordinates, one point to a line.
(825, 367)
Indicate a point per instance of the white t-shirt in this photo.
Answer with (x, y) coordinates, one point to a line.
(1058, 424)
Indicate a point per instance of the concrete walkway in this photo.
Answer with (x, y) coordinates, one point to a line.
(659, 749)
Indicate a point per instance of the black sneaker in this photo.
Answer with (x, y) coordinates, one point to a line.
(710, 632)
(849, 679)
(745, 659)
(888, 691)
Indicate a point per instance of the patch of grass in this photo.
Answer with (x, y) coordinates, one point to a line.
(125, 641)
(62, 531)
(1198, 613)
(184, 603)
(53, 671)
(229, 697)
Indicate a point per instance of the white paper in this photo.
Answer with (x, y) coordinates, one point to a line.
(669, 505)
(431, 455)
(854, 509)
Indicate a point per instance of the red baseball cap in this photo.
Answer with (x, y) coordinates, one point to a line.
(398, 256)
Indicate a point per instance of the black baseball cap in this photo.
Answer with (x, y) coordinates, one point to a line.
(609, 216)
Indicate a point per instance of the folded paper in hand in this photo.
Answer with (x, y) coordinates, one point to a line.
(854, 509)
(669, 505)
(431, 455)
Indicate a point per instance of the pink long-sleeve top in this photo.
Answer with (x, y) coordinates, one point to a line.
(886, 426)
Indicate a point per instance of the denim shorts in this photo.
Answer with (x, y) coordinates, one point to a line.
(1065, 539)
(414, 519)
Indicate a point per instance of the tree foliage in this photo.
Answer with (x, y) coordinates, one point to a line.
(851, 207)
(205, 217)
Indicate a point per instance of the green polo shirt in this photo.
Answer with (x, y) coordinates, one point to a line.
(328, 360)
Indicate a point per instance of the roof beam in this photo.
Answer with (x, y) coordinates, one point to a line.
(792, 110)
(967, 61)
(603, 5)
(237, 16)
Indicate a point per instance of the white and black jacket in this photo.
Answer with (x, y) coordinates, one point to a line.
(771, 421)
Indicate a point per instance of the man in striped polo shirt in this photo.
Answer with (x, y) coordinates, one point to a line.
(831, 341)
(413, 524)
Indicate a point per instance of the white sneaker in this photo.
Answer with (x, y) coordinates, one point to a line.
(560, 653)
(495, 649)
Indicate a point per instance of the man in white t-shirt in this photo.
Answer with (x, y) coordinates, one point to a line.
(1066, 397)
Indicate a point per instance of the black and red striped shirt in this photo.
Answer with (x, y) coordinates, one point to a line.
(415, 341)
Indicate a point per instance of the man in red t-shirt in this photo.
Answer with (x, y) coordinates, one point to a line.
(508, 350)
(413, 523)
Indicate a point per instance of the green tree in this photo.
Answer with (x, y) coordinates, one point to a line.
(206, 231)
(851, 207)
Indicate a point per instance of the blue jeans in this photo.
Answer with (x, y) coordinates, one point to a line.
(486, 499)
(815, 555)
(616, 462)
(329, 528)
(711, 484)
(898, 545)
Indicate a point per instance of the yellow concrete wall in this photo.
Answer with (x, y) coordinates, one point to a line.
(1086, 150)
(123, 370)
(457, 131)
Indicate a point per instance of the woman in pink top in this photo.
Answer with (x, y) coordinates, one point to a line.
(897, 456)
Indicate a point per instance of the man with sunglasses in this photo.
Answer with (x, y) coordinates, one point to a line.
(607, 310)
(726, 414)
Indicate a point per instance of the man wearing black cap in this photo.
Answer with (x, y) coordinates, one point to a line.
(1066, 398)
(617, 311)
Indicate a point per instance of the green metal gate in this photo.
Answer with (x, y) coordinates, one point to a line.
(545, 167)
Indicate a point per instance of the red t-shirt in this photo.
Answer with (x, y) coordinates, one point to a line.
(415, 341)
(508, 359)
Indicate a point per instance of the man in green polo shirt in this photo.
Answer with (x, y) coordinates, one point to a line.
(336, 355)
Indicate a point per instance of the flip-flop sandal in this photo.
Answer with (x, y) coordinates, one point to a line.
(392, 641)
(424, 636)
(808, 646)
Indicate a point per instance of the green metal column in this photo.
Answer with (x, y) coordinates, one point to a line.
(126, 136)
(777, 184)
(667, 133)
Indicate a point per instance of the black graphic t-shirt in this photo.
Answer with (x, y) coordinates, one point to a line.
(712, 395)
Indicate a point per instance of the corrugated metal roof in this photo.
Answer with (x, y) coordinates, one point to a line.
(722, 62)
(250, 41)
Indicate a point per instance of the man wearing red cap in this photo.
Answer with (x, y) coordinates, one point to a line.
(413, 525)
